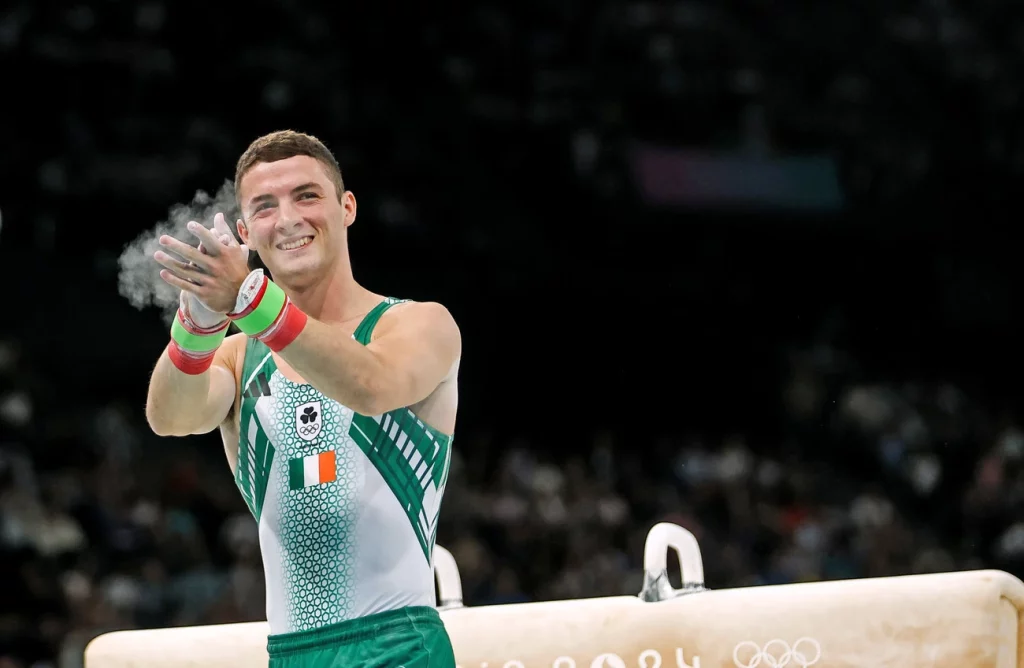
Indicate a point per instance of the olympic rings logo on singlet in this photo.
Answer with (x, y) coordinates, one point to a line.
(309, 420)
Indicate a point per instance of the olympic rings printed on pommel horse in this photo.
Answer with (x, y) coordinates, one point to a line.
(778, 654)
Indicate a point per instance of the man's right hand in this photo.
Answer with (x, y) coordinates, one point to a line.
(192, 307)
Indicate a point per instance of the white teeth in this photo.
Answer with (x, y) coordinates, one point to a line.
(296, 244)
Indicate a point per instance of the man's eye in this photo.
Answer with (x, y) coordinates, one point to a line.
(307, 195)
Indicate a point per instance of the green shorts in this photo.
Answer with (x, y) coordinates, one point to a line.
(411, 637)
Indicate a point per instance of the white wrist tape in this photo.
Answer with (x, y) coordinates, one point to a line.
(198, 313)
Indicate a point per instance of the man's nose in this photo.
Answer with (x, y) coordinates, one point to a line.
(289, 216)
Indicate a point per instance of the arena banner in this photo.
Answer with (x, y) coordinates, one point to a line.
(715, 181)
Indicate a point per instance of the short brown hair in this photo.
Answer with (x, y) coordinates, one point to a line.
(285, 144)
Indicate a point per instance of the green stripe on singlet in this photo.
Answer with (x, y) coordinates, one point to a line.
(364, 331)
(255, 451)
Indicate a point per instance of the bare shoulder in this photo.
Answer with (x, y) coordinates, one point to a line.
(421, 331)
(425, 318)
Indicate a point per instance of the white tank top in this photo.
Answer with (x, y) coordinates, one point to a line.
(347, 504)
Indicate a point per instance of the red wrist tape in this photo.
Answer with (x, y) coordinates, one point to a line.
(188, 362)
(285, 329)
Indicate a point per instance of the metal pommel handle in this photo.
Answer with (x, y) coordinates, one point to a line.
(660, 538)
(449, 582)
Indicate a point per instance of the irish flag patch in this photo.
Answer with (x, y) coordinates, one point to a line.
(311, 470)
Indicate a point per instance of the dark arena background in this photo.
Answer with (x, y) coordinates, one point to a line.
(745, 267)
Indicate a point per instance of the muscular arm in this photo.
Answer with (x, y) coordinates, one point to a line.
(179, 404)
(415, 348)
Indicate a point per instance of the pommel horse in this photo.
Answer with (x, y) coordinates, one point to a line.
(950, 620)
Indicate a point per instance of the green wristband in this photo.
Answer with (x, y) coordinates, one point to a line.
(196, 343)
(266, 312)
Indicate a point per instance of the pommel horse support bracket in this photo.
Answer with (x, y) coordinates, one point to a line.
(950, 620)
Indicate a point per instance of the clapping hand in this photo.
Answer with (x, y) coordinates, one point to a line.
(209, 275)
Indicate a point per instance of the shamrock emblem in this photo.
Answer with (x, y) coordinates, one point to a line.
(308, 415)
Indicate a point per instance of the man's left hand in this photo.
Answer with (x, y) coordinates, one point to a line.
(213, 276)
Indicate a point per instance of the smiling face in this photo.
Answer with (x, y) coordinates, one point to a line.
(294, 218)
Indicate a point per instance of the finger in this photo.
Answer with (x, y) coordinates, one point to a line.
(220, 226)
(202, 247)
(177, 282)
(185, 251)
(184, 270)
(176, 264)
(206, 237)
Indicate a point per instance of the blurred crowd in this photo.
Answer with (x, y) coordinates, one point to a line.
(911, 96)
(490, 132)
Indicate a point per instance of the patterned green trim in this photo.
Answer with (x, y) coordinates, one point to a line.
(255, 457)
(413, 458)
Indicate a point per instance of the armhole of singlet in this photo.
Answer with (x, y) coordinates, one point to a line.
(364, 331)
(252, 355)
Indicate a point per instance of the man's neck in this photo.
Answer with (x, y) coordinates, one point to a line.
(335, 299)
